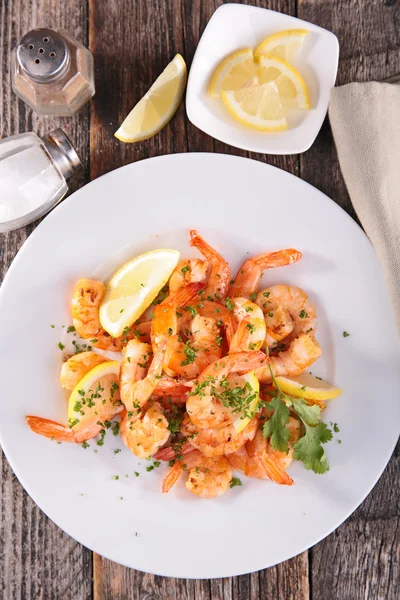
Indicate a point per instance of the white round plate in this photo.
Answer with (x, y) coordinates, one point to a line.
(242, 207)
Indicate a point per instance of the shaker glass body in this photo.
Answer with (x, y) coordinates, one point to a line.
(52, 72)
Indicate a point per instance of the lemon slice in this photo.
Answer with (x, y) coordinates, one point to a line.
(292, 90)
(283, 44)
(236, 72)
(133, 288)
(95, 396)
(156, 107)
(241, 420)
(308, 386)
(258, 106)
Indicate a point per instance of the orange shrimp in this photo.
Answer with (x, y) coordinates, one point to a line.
(136, 386)
(250, 334)
(193, 270)
(203, 407)
(249, 274)
(85, 305)
(220, 272)
(301, 353)
(218, 441)
(204, 347)
(76, 367)
(258, 459)
(206, 477)
(165, 320)
(104, 405)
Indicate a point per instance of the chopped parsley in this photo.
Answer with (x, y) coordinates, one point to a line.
(190, 354)
(345, 334)
(229, 304)
(114, 387)
(185, 269)
(303, 314)
(115, 477)
(61, 346)
(192, 310)
(251, 327)
(70, 329)
(238, 399)
(235, 482)
(115, 428)
(253, 296)
(85, 445)
(266, 294)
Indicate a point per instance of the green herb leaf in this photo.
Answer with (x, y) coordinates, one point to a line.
(345, 334)
(275, 428)
(192, 310)
(309, 450)
(310, 413)
(235, 482)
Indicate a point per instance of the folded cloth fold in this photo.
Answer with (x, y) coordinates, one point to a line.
(365, 120)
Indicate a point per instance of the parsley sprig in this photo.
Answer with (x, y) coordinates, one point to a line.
(308, 448)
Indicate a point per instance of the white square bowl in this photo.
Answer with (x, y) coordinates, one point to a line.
(236, 26)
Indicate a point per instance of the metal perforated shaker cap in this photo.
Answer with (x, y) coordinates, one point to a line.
(43, 54)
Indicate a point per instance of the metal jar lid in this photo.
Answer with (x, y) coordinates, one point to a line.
(62, 152)
(43, 54)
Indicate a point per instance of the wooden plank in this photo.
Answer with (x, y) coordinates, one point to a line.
(178, 26)
(361, 558)
(37, 560)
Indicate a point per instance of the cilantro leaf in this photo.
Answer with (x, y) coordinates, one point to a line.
(275, 428)
(309, 450)
(310, 413)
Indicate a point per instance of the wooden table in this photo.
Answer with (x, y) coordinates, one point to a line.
(132, 41)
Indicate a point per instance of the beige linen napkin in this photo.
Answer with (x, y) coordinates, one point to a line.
(365, 120)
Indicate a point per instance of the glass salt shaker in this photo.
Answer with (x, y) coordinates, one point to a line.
(52, 72)
(33, 173)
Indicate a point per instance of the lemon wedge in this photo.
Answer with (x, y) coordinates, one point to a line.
(94, 396)
(236, 72)
(133, 288)
(258, 106)
(156, 107)
(290, 85)
(308, 386)
(283, 44)
(241, 420)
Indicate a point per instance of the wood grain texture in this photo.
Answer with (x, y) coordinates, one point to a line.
(360, 560)
(37, 559)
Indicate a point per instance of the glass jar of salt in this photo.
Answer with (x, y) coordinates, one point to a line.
(33, 174)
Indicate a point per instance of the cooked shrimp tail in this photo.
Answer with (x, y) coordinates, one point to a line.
(50, 429)
(249, 274)
(220, 272)
(169, 453)
(172, 476)
(274, 471)
(62, 433)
